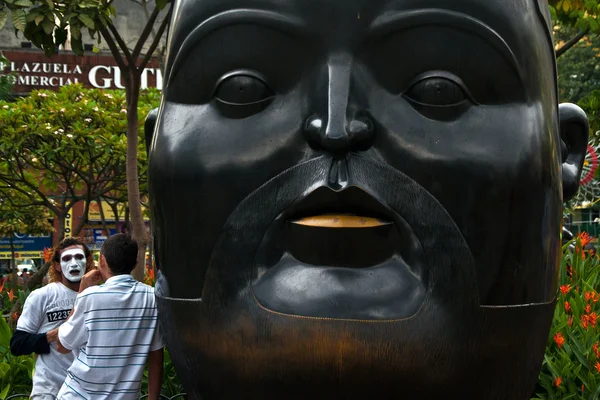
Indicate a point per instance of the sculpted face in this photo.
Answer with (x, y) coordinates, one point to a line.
(360, 197)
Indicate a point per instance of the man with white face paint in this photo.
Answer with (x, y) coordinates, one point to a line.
(44, 310)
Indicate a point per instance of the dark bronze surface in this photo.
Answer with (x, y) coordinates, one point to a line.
(439, 117)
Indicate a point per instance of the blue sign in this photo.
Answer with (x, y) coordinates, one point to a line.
(100, 236)
(23, 242)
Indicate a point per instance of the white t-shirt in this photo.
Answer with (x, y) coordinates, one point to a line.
(45, 309)
(114, 326)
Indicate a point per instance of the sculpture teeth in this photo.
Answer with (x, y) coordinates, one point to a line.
(340, 221)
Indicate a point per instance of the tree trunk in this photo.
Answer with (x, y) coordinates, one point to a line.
(127, 221)
(36, 280)
(13, 265)
(102, 217)
(115, 209)
(138, 228)
(84, 219)
(61, 226)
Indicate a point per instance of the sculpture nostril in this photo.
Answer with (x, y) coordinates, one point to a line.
(314, 124)
(312, 132)
(356, 134)
(360, 127)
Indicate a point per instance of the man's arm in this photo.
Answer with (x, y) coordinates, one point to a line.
(23, 343)
(91, 278)
(26, 339)
(155, 371)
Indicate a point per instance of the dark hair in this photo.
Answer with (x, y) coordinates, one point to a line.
(120, 252)
(56, 276)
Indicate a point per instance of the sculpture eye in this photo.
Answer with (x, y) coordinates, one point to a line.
(242, 89)
(439, 95)
(437, 92)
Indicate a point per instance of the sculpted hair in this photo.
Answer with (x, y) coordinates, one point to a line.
(120, 252)
(56, 276)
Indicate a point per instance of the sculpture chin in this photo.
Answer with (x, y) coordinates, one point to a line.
(386, 291)
(370, 272)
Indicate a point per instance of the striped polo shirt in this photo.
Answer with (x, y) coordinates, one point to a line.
(111, 331)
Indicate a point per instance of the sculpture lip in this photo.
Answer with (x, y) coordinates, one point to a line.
(341, 221)
(352, 201)
(371, 273)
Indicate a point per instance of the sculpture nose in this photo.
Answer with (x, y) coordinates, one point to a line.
(342, 130)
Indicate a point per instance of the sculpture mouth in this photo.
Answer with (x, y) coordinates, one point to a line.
(340, 221)
(340, 254)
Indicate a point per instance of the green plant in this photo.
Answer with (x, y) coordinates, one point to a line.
(15, 372)
(571, 367)
(171, 384)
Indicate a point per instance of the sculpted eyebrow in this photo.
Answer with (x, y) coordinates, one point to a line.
(398, 21)
(269, 19)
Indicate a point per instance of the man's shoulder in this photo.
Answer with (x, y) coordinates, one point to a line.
(43, 291)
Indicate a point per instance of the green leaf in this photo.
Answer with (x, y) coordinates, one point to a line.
(87, 21)
(4, 392)
(75, 32)
(77, 45)
(24, 3)
(50, 4)
(160, 4)
(48, 26)
(19, 19)
(3, 18)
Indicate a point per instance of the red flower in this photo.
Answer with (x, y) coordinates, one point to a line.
(596, 350)
(559, 339)
(567, 306)
(588, 309)
(589, 296)
(11, 295)
(597, 366)
(557, 381)
(564, 289)
(585, 319)
(584, 239)
(47, 254)
(593, 319)
(569, 271)
(15, 316)
(570, 320)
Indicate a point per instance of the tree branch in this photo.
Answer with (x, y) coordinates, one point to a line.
(157, 38)
(145, 33)
(122, 44)
(112, 46)
(572, 42)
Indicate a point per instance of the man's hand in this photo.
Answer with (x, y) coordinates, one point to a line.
(92, 278)
(52, 336)
(61, 349)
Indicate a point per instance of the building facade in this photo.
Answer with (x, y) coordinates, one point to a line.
(30, 69)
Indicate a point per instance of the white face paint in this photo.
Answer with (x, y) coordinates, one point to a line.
(72, 263)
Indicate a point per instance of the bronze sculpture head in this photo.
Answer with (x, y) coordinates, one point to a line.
(360, 197)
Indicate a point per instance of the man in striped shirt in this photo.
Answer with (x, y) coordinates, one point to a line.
(112, 331)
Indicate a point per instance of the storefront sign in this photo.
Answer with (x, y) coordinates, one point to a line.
(109, 215)
(25, 246)
(68, 225)
(5, 255)
(33, 70)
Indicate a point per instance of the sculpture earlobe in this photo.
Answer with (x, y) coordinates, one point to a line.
(149, 126)
(574, 133)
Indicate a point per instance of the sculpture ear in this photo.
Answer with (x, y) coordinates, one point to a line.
(149, 126)
(574, 132)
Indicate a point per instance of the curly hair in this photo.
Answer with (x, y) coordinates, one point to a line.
(56, 275)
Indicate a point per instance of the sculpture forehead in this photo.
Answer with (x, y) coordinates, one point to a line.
(511, 19)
